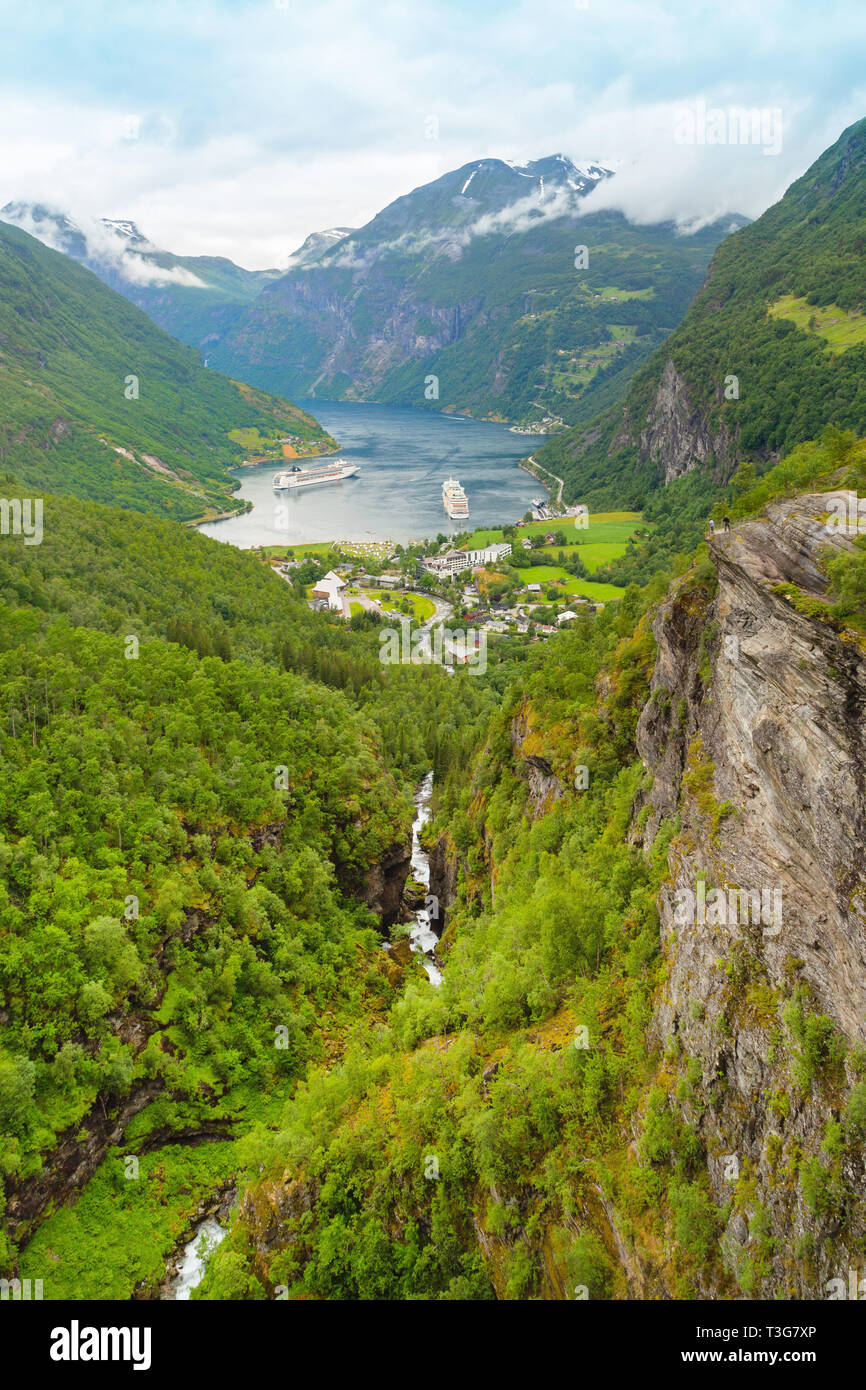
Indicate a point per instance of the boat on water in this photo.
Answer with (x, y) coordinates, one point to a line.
(539, 501)
(454, 499)
(328, 471)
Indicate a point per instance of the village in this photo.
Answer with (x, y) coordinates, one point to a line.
(529, 579)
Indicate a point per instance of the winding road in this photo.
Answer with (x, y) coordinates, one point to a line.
(532, 459)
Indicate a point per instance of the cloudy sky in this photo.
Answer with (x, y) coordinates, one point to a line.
(236, 127)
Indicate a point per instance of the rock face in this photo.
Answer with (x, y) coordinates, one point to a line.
(756, 740)
(544, 786)
(444, 866)
(383, 887)
(677, 436)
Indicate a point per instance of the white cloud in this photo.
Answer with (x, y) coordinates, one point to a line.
(105, 245)
(256, 125)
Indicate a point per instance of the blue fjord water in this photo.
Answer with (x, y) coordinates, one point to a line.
(404, 456)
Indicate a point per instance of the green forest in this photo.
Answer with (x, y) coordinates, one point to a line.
(199, 777)
(791, 381)
(85, 375)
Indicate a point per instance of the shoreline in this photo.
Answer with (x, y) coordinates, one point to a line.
(221, 516)
(531, 459)
(247, 505)
(318, 454)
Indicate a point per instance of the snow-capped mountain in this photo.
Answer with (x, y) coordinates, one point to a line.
(484, 197)
(314, 247)
(470, 279)
(195, 298)
(470, 282)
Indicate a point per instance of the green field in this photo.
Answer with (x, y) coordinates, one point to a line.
(299, 552)
(593, 555)
(252, 438)
(609, 292)
(575, 367)
(546, 575)
(840, 328)
(359, 550)
(422, 607)
(598, 544)
(603, 526)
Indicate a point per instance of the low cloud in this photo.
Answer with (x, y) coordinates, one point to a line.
(104, 246)
(520, 216)
(380, 108)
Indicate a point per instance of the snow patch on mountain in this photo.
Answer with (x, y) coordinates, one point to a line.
(100, 242)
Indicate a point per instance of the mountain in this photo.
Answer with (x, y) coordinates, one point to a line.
(195, 298)
(773, 347)
(98, 402)
(475, 279)
(316, 245)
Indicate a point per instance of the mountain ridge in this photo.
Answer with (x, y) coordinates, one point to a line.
(461, 293)
(469, 278)
(765, 314)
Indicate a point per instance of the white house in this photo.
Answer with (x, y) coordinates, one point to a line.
(331, 588)
(452, 562)
(566, 617)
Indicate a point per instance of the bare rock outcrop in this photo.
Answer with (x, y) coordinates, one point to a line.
(677, 434)
(756, 739)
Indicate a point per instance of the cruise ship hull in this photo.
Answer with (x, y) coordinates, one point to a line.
(454, 500)
(293, 482)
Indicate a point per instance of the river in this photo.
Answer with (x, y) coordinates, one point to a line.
(193, 1261)
(422, 937)
(404, 456)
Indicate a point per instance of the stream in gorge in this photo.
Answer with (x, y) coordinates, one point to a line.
(423, 940)
(187, 1267)
(422, 937)
(196, 1254)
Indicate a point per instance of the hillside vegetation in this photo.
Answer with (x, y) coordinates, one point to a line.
(195, 800)
(96, 402)
(781, 310)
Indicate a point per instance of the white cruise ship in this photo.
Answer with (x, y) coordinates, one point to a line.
(328, 471)
(454, 499)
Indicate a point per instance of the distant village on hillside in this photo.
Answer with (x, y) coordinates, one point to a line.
(430, 582)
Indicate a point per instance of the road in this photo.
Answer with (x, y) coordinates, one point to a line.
(533, 460)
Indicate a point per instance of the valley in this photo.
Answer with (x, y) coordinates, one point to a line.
(417, 906)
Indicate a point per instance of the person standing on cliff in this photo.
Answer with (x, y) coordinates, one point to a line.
(726, 523)
(712, 527)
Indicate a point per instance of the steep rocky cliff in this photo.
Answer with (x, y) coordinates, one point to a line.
(382, 890)
(755, 737)
(677, 434)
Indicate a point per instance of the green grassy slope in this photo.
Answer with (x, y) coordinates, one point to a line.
(68, 349)
(809, 248)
